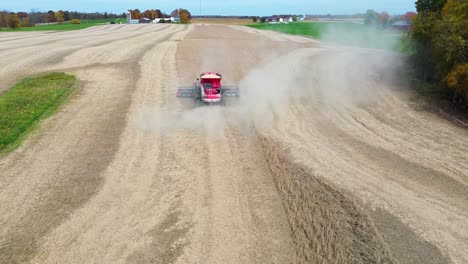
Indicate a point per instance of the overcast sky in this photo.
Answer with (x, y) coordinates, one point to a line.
(218, 7)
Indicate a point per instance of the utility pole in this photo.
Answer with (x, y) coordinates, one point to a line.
(200, 7)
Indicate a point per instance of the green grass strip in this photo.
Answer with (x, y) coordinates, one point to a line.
(67, 25)
(345, 33)
(28, 102)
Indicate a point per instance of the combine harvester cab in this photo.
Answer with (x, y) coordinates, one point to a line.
(208, 89)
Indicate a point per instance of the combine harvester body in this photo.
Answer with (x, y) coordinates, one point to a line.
(208, 89)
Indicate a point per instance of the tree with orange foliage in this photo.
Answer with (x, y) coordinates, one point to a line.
(151, 14)
(185, 16)
(136, 14)
(408, 16)
(457, 80)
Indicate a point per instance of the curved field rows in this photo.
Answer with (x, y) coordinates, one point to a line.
(323, 159)
(346, 122)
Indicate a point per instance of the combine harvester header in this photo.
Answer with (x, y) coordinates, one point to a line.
(208, 89)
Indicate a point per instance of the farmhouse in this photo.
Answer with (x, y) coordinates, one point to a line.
(280, 19)
(145, 20)
(402, 25)
(164, 20)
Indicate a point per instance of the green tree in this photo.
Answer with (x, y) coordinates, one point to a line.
(294, 18)
(255, 19)
(451, 33)
(371, 17)
(3, 19)
(451, 45)
(441, 44)
(430, 5)
(422, 32)
(59, 17)
(13, 21)
(66, 15)
(384, 19)
(26, 22)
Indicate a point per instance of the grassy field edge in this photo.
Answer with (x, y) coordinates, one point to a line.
(67, 26)
(345, 33)
(63, 84)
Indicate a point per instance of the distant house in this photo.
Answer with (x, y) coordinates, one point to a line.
(401, 25)
(175, 19)
(144, 20)
(163, 20)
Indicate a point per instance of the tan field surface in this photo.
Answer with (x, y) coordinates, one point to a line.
(224, 21)
(325, 158)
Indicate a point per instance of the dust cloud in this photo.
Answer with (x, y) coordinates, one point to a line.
(357, 36)
(208, 120)
(330, 76)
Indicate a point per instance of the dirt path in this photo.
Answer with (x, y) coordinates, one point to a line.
(127, 173)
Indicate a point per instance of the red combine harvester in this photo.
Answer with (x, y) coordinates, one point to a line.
(208, 89)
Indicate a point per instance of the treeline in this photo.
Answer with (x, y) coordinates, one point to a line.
(152, 14)
(28, 19)
(25, 19)
(440, 36)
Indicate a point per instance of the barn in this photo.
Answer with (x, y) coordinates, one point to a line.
(144, 20)
(401, 25)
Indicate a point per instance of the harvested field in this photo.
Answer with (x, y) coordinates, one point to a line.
(323, 159)
(223, 21)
